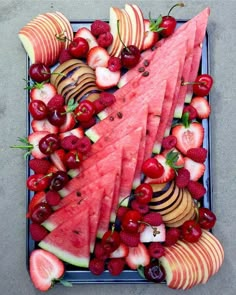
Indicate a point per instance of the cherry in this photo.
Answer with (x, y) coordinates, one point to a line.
(191, 231)
(38, 182)
(202, 85)
(38, 109)
(110, 240)
(84, 111)
(73, 159)
(207, 218)
(57, 116)
(143, 193)
(41, 212)
(39, 72)
(59, 180)
(168, 22)
(39, 197)
(154, 272)
(131, 221)
(79, 47)
(49, 144)
(152, 168)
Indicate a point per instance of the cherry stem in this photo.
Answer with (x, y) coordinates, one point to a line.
(196, 206)
(63, 39)
(45, 176)
(118, 31)
(193, 83)
(155, 230)
(55, 73)
(180, 4)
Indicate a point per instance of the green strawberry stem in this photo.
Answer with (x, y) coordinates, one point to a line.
(185, 120)
(64, 282)
(171, 158)
(180, 4)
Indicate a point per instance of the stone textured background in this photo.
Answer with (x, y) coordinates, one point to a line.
(14, 14)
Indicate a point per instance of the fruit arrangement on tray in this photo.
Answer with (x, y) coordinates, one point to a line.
(118, 114)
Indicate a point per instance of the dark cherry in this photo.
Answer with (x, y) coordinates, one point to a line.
(59, 180)
(154, 272)
(41, 212)
(49, 144)
(38, 109)
(39, 72)
(57, 116)
(207, 218)
(130, 56)
(110, 241)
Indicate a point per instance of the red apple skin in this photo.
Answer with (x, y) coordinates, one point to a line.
(215, 251)
(141, 23)
(208, 249)
(135, 27)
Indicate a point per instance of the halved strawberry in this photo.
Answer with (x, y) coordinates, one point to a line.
(189, 135)
(43, 125)
(137, 256)
(106, 79)
(150, 37)
(86, 34)
(45, 267)
(196, 169)
(121, 251)
(39, 197)
(69, 123)
(202, 106)
(57, 159)
(98, 57)
(78, 132)
(180, 161)
(43, 91)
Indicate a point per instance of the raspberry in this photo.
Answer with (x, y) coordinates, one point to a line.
(197, 154)
(96, 266)
(115, 266)
(37, 231)
(89, 123)
(196, 189)
(98, 106)
(64, 56)
(39, 166)
(169, 142)
(107, 99)
(83, 145)
(99, 27)
(192, 112)
(130, 239)
(172, 236)
(55, 102)
(53, 198)
(114, 64)
(121, 212)
(153, 218)
(142, 208)
(156, 250)
(182, 178)
(100, 252)
(69, 142)
(105, 40)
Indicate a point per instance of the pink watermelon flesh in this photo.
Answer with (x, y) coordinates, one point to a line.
(70, 240)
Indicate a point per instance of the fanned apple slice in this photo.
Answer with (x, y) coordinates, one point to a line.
(135, 25)
(141, 22)
(208, 249)
(114, 18)
(128, 27)
(68, 28)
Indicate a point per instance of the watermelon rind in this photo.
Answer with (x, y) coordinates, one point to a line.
(48, 225)
(64, 255)
(92, 135)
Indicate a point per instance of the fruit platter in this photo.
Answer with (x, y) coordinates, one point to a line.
(118, 150)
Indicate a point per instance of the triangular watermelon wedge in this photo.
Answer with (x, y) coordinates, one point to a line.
(70, 240)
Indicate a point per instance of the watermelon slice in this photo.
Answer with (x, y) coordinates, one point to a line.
(70, 240)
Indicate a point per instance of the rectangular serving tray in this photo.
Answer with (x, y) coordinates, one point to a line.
(77, 275)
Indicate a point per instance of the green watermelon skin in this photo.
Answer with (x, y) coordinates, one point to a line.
(70, 241)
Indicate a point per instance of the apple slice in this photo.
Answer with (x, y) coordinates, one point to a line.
(68, 28)
(211, 236)
(114, 18)
(135, 24)
(127, 28)
(141, 23)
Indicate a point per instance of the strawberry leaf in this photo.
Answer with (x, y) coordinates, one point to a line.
(154, 24)
(140, 270)
(65, 283)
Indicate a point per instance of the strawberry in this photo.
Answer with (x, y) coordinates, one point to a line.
(202, 106)
(43, 91)
(39, 166)
(96, 266)
(86, 34)
(156, 250)
(182, 178)
(197, 154)
(39, 197)
(99, 27)
(137, 256)
(196, 189)
(44, 268)
(189, 135)
(56, 101)
(78, 132)
(115, 266)
(37, 232)
(97, 57)
(43, 125)
(120, 252)
(105, 39)
(105, 78)
(169, 164)
(69, 124)
(57, 159)
(180, 161)
(150, 36)
(196, 169)
(153, 218)
(130, 239)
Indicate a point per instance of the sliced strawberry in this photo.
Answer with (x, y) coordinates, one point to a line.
(150, 37)
(34, 139)
(86, 34)
(98, 57)
(45, 267)
(202, 106)
(121, 251)
(39, 197)
(137, 256)
(189, 135)
(196, 169)
(78, 132)
(43, 125)
(57, 159)
(69, 123)
(43, 91)
(106, 79)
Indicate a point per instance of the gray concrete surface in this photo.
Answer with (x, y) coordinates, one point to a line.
(222, 27)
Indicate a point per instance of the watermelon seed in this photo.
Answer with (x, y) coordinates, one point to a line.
(119, 115)
(146, 63)
(78, 194)
(141, 69)
(153, 48)
(145, 74)
(76, 232)
(111, 118)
